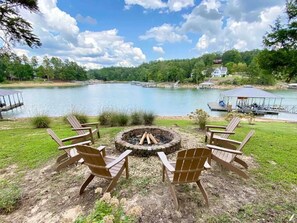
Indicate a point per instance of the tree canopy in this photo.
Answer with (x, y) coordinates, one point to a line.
(14, 28)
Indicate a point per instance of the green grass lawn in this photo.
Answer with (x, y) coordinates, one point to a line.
(273, 144)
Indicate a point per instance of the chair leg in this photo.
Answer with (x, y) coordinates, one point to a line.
(175, 201)
(68, 162)
(127, 168)
(163, 173)
(98, 134)
(241, 162)
(203, 191)
(62, 157)
(86, 183)
(113, 183)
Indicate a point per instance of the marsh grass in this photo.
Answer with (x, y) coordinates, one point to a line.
(41, 121)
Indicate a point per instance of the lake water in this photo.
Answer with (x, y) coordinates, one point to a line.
(92, 99)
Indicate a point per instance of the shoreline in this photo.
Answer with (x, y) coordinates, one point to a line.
(33, 84)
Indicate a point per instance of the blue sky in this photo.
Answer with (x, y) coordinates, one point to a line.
(102, 33)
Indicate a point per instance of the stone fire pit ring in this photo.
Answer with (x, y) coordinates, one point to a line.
(173, 145)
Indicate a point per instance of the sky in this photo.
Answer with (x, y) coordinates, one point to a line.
(104, 33)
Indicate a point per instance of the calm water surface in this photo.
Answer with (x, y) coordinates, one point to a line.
(92, 99)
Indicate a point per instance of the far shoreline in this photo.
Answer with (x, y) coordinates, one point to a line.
(36, 84)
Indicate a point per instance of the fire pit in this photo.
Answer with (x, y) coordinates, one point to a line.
(146, 141)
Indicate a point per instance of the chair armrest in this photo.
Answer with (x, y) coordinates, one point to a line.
(228, 140)
(72, 138)
(74, 145)
(102, 149)
(221, 132)
(90, 124)
(84, 128)
(224, 149)
(215, 127)
(206, 165)
(165, 161)
(119, 159)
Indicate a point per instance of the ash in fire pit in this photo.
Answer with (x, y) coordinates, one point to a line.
(148, 141)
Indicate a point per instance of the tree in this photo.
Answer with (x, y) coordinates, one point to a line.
(231, 56)
(13, 27)
(282, 42)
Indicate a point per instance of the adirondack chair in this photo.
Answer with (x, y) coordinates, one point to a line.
(226, 156)
(211, 134)
(186, 169)
(70, 156)
(84, 129)
(103, 166)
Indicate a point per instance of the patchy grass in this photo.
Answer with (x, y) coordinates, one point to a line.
(274, 147)
(9, 196)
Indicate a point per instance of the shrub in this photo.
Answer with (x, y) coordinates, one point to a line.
(200, 117)
(41, 121)
(9, 196)
(148, 118)
(110, 209)
(104, 118)
(233, 114)
(122, 119)
(81, 117)
(137, 118)
(112, 118)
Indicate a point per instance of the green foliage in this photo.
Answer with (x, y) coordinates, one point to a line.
(13, 27)
(106, 212)
(148, 118)
(9, 196)
(200, 117)
(136, 118)
(41, 121)
(122, 119)
(81, 117)
(104, 118)
(231, 56)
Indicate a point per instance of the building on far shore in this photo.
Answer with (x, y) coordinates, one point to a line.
(220, 72)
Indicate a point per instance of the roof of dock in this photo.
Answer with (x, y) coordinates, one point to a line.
(248, 92)
(8, 92)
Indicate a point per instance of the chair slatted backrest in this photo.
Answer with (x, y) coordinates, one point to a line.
(94, 160)
(246, 139)
(242, 144)
(189, 164)
(75, 124)
(231, 126)
(55, 137)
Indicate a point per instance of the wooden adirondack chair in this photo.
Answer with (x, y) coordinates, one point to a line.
(70, 156)
(226, 156)
(84, 129)
(103, 166)
(227, 130)
(186, 169)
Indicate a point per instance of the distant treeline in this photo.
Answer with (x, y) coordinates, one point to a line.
(252, 66)
(262, 67)
(13, 67)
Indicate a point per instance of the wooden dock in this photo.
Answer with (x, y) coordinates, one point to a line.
(10, 100)
(214, 106)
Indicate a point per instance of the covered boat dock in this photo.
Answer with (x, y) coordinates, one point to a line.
(249, 100)
(9, 100)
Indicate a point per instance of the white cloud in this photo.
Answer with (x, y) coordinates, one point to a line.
(147, 4)
(164, 33)
(158, 49)
(61, 37)
(177, 5)
(241, 35)
(87, 19)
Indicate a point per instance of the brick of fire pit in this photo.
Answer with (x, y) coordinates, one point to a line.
(147, 150)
